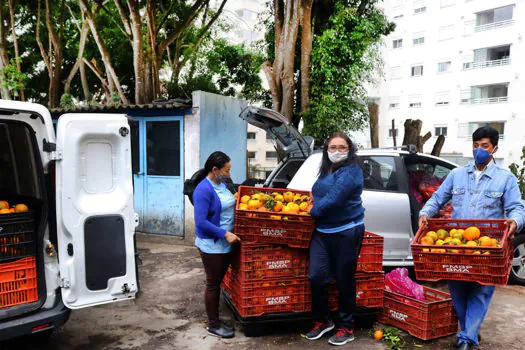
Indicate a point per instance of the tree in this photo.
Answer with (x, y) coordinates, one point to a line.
(519, 172)
(373, 110)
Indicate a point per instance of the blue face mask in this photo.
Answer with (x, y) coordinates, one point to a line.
(481, 156)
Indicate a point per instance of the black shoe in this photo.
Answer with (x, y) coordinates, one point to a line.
(221, 332)
(227, 325)
(343, 336)
(464, 346)
(319, 329)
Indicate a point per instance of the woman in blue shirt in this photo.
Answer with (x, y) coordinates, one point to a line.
(336, 241)
(214, 207)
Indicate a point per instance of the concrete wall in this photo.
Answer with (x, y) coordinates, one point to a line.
(214, 125)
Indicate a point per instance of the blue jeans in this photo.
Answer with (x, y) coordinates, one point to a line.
(471, 301)
(334, 255)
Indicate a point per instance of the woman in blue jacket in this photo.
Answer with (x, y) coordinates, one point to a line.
(214, 207)
(336, 241)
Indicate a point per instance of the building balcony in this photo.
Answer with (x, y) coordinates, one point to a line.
(493, 25)
(486, 64)
(486, 100)
(485, 94)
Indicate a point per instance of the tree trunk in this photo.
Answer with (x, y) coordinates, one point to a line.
(373, 110)
(412, 131)
(141, 90)
(15, 43)
(438, 146)
(421, 140)
(306, 50)
(113, 79)
(4, 58)
(79, 62)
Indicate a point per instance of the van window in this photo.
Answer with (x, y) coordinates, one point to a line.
(379, 173)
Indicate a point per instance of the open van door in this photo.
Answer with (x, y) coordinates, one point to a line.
(95, 214)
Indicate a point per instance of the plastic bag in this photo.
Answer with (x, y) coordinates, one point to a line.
(398, 281)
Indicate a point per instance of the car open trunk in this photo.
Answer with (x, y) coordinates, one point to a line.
(22, 182)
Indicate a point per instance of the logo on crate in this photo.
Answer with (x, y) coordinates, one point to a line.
(273, 232)
(457, 268)
(277, 300)
(281, 264)
(398, 315)
(358, 294)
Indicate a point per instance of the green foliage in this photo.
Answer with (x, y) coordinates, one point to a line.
(392, 339)
(197, 83)
(13, 80)
(66, 101)
(345, 57)
(519, 172)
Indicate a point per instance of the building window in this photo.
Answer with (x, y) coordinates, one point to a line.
(418, 41)
(394, 105)
(420, 10)
(250, 136)
(443, 98)
(398, 16)
(271, 155)
(395, 72)
(446, 32)
(467, 129)
(252, 155)
(397, 44)
(444, 67)
(440, 130)
(447, 3)
(416, 71)
(391, 134)
(414, 105)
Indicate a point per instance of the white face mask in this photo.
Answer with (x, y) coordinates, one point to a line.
(337, 157)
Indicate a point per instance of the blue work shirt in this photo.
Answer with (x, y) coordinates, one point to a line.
(495, 195)
(221, 245)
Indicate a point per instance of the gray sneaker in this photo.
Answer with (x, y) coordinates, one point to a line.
(342, 336)
(319, 329)
(221, 332)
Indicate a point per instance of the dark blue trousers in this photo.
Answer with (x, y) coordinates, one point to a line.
(334, 255)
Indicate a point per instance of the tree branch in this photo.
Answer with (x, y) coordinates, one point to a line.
(123, 16)
(43, 53)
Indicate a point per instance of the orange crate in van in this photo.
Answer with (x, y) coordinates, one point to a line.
(294, 230)
(18, 282)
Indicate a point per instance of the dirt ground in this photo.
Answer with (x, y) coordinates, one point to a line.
(169, 314)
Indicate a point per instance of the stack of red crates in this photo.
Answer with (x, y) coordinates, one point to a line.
(18, 280)
(269, 271)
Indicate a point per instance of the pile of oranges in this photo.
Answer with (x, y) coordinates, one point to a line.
(286, 203)
(6, 209)
(470, 237)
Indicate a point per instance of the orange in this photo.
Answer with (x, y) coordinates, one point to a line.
(275, 217)
(427, 240)
(433, 235)
(4, 211)
(20, 208)
(243, 206)
(4, 205)
(442, 234)
(278, 206)
(254, 204)
(494, 242)
(472, 233)
(303, 206)
(245, 199)
(287, 210)
(440, 242)
(471, 244)
(378, 335)
(485, 241)
(288, 196)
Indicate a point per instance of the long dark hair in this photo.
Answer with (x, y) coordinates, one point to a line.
(327, 165)
(216, 159)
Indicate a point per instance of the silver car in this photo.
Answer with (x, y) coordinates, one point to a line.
(388, 197)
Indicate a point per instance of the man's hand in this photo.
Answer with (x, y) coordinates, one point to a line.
(231, 237)
(511, 223)
(423, 221)
(310, 204)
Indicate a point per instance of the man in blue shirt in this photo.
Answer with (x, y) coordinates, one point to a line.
(478, 191)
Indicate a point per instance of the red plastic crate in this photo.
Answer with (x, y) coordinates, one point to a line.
(294, 230)
(18, 282)
(271, 296)
(371, 255)
(369, 291)
(433, 318)
(254, 261)
(493, 269)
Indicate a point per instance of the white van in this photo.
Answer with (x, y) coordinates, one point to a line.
(80, 227)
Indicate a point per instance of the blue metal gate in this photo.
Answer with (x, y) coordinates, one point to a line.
(159, 198)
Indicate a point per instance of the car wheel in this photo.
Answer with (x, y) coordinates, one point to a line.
(517, 273)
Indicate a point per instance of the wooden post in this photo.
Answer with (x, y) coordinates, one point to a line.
(394, 132)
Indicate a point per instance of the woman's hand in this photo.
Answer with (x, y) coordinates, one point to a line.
(231, 237)
(310, 203)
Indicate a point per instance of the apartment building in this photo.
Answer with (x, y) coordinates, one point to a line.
(456, 65)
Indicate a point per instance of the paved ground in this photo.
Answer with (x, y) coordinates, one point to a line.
(169, 314)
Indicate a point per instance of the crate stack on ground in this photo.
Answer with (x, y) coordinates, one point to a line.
(370, 278)
(18, 282)
(269, 271)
